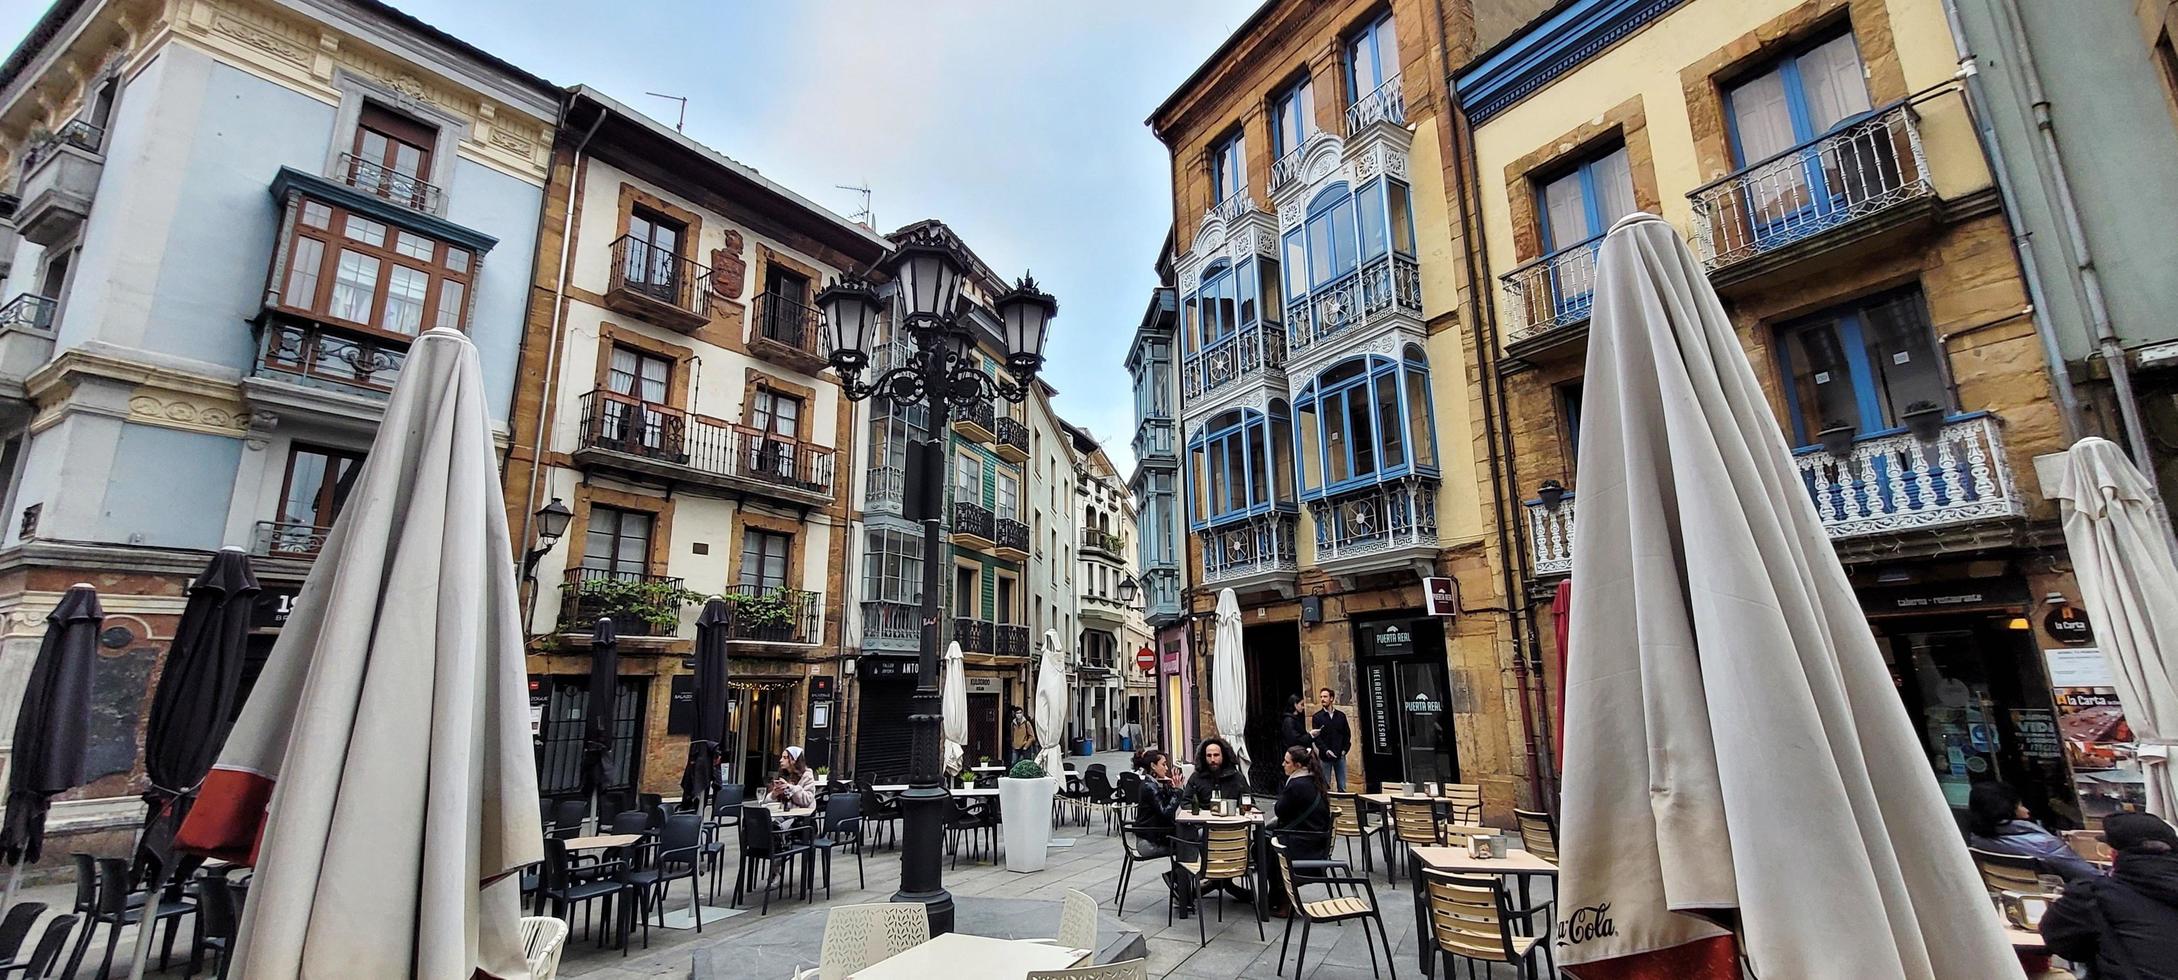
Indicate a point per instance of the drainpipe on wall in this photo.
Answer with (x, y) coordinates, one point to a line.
(552, 350)
(1498, 434)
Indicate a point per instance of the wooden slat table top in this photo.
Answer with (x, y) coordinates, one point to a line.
(1458, 861)
(602, 840)
(1206, 817)
(960, 955)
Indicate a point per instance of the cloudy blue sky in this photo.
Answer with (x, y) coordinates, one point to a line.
(1018, 122)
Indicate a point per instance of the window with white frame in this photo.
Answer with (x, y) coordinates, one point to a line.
(1363, 421)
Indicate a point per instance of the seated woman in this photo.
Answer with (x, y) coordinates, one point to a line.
(1997, 821)
(794, 786)
(1217, 774)
(1303, 814)
(1155, 803)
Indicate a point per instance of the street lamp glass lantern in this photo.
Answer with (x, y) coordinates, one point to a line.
(929, 274)
(552, 520)
(850, 315)
(1128, 589)
(1026, 313)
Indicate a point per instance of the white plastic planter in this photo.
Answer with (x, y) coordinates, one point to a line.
(1027, 807)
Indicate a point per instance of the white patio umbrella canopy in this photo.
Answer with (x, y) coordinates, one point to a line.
(2128, 582)
(1051, 704)
(1735, 749)
(1229, 677)
(953, 707)
(384, 755)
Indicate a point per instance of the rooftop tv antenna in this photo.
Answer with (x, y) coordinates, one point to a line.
(863, 216)
(680, 120)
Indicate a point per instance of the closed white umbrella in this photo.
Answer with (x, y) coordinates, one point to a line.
(381, 777)
(2127, 582)
(1229, 677)
(1735, 750)
(1051, 704)
(953, 706)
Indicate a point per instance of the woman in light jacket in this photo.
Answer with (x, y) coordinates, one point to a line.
(794, 786)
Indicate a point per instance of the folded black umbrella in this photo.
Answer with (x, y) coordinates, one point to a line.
(52, 730)
(194, 705)
(597, 731)
(709, 739)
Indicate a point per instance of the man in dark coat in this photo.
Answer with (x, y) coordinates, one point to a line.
(2125, 926)
(1334, 738)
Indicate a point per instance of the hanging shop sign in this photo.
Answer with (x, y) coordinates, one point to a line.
(2066, 624)
(985, 685)
(1442, 595)
(681, 708)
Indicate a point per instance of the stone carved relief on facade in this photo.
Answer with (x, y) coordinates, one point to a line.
(729, 271)
(175, 410)
(263, 38)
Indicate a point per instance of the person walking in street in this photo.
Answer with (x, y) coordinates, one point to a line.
(1022, 736)
(2124, 926)
(1293, 729)
(1997, 821)
(1334, 738)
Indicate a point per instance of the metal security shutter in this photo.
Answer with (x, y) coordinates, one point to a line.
(883, 741)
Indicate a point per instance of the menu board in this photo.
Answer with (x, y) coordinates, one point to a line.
(2098, 743)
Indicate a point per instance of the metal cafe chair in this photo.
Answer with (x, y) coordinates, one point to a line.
(1334, 908)
(1226, 853)
(1413, 823)
(1351, 821)
(2008, 872)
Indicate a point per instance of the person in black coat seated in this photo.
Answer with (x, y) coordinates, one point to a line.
(2125, 926)
(1293, 730)
(1155, 802)
(1217, 775)
(1302, 811)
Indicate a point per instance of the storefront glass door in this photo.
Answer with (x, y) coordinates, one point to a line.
(1404, 732)
(1978, 696)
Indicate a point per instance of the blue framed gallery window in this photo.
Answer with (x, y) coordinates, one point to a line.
(1292, 116)
(1795, 101)
(1228, 166)
(1860, 365)
(1372, 57)
(1239, 464)
(1581, 203)
(1365, 420)
(1231, 299)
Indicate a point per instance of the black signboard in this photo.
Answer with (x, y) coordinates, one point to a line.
(889, 666)
(1387, 639)
(2066, 624)
(1377, 695)
(1942, 596)
(681, 709)
(273, 603)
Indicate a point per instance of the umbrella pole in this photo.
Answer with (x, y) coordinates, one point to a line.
(147, 923)
(15, 881)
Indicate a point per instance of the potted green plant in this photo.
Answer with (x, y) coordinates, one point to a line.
(1026, 791)
(1836, 437)
(654, 604)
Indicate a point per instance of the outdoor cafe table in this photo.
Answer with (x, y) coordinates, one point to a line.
(597, 841)
(903, 787)
(1456, 860)
(961, 955)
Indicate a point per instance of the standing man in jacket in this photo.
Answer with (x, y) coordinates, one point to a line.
(1333, 739)
(2125, 926)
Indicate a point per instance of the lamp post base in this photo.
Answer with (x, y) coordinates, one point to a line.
(923, 811)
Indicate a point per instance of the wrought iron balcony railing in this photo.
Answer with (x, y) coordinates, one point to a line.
(1552, 292)
(76, 132)
(973, 519)
(661, 278)
(889, 625)
(28, 311)
(1011, 535)
(1233, 358)
(790, 323)
(626, 424)
(977, 420)
(1093, 539)
(1388, 103)
(773, 615)
(1386, 517)
(975, 635)
(381, 181)
(283, 539)
(1286, 169)
(638, 604)
(331, 356)
(1012, 640)
(1389, 284)
(1009, 432)
(1859, 170)
(1259, 545)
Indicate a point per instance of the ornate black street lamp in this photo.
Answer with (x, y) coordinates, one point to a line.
(927, 269)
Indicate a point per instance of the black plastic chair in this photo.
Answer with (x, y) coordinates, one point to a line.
(679, 855)
(218, 918)
(16, 928)
(1125, 793)
(567, 891)
(1099, 788)
(567, 818)
(39, 965)
(878, 813)
(763, 843)
(842, 827)
(630, 822)
(965, 819)
(115, 886)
